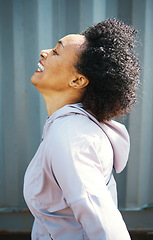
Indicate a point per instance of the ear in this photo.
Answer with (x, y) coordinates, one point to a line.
(79, 82)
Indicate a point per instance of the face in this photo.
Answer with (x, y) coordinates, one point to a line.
(56, 68)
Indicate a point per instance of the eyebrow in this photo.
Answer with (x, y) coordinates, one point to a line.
(60, 42)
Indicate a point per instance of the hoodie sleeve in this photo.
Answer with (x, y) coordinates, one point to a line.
(78, 172)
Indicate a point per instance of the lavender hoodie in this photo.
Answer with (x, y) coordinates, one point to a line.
(69, 186)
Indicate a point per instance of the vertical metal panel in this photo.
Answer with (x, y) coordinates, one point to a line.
(31, 58)
(72, 16)
(2, 189)
(19, 114)
(86, 14)
(141, 120)
(147, 110)
(59, 19)
(112, 9)
(99, 10)
(45, 41)
(124, 10)
(8, 116)
(138, 17)
(20, 108)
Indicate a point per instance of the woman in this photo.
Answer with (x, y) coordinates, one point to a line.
(86, 80)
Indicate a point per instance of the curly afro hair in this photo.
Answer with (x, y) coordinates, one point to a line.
(112, 68)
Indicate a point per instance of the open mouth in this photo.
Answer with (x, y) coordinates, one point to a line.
(40, 67)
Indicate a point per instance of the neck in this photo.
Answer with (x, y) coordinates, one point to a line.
(55, 102)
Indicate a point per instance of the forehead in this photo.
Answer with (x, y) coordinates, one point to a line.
(74, 40)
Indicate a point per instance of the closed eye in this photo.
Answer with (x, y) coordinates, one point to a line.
(55, 52)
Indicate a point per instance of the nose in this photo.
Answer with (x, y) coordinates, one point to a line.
(44, 54)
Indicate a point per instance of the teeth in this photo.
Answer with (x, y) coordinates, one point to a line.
(41, 67)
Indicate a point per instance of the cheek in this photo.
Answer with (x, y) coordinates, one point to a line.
(63, 70)
(68, 70)
(54, 68)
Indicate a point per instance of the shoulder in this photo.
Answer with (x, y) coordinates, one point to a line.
(75, 126)
(75, 139)
(78, 130)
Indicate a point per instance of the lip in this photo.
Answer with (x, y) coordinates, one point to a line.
(42, 65)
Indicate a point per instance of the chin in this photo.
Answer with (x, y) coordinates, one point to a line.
(34, 80)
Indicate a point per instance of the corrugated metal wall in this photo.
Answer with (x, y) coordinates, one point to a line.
(140, 178)
(26, 27)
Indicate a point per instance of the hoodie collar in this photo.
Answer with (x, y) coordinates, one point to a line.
(116, 133)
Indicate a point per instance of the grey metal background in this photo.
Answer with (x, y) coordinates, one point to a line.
(26, 27)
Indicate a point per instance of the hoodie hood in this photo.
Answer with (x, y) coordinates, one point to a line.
(116, 133)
